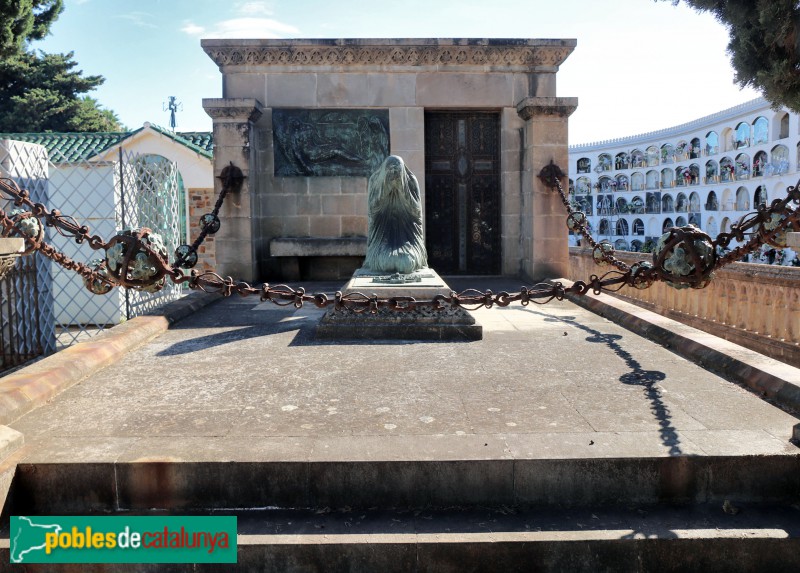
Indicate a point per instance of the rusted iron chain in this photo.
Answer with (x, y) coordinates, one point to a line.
(551, 176)
(686, 256)
(186, 255)
(26, 224)
(137, 258)
(470, 299)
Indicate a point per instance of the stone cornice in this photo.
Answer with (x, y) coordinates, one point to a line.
(538, 106)
(441, 54)
(233, 109)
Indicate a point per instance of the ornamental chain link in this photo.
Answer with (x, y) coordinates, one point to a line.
(684, 256)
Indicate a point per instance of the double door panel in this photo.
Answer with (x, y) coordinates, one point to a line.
(462, 192)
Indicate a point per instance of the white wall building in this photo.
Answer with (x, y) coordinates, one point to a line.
(708, 172)
(108, 181)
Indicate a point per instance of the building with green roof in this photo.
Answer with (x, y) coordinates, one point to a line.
(75, 147)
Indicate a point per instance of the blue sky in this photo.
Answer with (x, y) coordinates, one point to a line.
(639, 66)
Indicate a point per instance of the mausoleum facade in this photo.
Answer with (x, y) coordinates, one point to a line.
(307, 121)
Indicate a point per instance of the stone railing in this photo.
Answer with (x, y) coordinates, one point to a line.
(756, 306)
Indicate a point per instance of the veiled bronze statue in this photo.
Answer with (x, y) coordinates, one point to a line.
(394, 241)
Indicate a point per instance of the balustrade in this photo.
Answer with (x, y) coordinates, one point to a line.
(754, 305)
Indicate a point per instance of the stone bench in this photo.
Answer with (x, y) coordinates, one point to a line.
(318, 247)
(318, 258)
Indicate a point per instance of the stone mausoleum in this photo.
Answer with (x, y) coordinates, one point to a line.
(307, 121)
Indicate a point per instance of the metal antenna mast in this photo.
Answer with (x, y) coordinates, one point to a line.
(173, 106)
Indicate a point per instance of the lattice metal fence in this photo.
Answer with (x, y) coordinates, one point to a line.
(131, 190)
(150, 196)
(21, 332)
(44, 307)
(27, 328)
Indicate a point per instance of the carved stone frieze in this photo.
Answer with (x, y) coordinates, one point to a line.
(530, 54)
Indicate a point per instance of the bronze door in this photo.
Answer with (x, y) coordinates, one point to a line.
(462, 192)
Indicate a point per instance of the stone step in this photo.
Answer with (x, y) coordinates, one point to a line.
(55, 488)
(10, 441)
(705, 537)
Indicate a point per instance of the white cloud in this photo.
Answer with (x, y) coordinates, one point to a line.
(247, 28)
(254, 8)
(193, 29)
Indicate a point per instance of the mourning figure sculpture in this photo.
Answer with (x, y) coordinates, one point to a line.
(394, 240)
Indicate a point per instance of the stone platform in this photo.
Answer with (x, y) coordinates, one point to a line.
(560, 441)
(385, 324)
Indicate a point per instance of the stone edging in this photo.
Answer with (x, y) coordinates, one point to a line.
(32, 386)
(771, 379)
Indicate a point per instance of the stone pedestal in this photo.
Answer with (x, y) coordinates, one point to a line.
(418, 324)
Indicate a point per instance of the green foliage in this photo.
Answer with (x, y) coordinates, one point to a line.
(43, 92)
(25, 20)
(764, 45)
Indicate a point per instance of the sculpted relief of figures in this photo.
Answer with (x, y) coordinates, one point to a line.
(324, 142)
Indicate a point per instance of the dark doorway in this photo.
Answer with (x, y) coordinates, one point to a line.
(462, 192)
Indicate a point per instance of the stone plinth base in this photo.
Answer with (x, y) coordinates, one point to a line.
(418, 324)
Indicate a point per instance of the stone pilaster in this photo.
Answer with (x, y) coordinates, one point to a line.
(545, 246)
(237, 243)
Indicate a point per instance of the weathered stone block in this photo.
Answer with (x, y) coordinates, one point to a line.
(326, 185)
(309, 205)
(343, 90)
(465, 90)
(406, 139)
(353, 186)
(280, 205)
(271, 226)
(298, 226)
(294, 185)
(292, 90)
(354, 226)
(245, 86)
(407, 117)
(325, 226)
(391, 89)
(339, 204)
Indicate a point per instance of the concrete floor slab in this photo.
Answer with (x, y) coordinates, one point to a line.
(246, 380)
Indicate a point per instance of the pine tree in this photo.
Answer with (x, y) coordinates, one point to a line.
(25, 20)
(43, 92)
